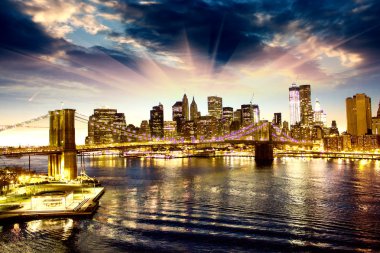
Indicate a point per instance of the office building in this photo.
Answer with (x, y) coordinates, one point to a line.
(156, 121)
(177, 110)
(170, 129)
(215, 106)
(256, 114)
(247, 115)
(277, 119)
(237, 116)
(207, 127)
(228, 114)
(194, 114)
(294, 104)
(359, 116)
(333, 130)
(227, 118)
(319, 114)
(185, 108)
(376, 123)
(144, 130)
(189, 130)
(177, 115)
(106, 126)
(285, 128)
(306, 110)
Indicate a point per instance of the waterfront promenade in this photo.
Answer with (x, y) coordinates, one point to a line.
(19, 206)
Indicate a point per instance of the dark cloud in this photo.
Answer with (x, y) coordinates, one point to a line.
(96, 55)
(219, 29)
(20, 33)
(352, 26)
(240, 29)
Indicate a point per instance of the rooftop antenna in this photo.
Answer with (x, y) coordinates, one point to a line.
(252, 97)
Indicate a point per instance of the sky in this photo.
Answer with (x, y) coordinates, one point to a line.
(131, 55)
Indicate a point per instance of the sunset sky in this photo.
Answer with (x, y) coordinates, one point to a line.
(131, 55)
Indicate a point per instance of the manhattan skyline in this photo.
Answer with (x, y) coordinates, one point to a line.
(131, 55)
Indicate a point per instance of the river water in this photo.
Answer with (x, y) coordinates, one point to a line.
(216, 205)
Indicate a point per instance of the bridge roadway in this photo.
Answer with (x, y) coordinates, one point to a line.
(47, 150)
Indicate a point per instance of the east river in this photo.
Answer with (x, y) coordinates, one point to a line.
(216, 205)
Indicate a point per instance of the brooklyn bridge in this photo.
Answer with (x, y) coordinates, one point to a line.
(62, 150)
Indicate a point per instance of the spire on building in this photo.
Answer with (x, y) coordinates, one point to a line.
(185, 107)
(193, 110)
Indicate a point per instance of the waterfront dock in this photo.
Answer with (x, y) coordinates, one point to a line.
(84, 202)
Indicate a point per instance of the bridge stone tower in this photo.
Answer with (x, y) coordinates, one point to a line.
(62, 135)
(264, 150)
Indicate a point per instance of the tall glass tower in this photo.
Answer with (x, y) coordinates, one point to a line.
(294, 104)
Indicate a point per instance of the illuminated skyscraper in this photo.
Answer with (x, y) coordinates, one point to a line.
(294, 104)
(227, 118)
(177, 110)
(246, 114)
(359, 116)
(277, 119)
(256, 114)
(215, 106)
(237, 116)
(306, 110)
(185, 108)
(376, 122)
(228, 113)
(334, 129)
(156, 121)
(170, 129)
(194, 114)
(207, 127)
(144, 130)
(319, 115)
(106, 126)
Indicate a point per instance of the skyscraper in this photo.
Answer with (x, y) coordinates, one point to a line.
(177, 110)
(228, 113)
(256, 113)
(177, 114)
(185, 107)
(294, 104)
(306, 110)
(194, 111)
(319, 115)
(277, 119)
(156, 121)
(376, 122)
(359, 116)
(144, 130)
(334, 128)
(215, 106)
(246, 114)
(227, 118)
(106, 126)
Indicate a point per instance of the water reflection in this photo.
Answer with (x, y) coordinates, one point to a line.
(199, 205)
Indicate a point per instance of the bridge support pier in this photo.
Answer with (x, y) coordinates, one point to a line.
(264, 153)
(62, 134)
